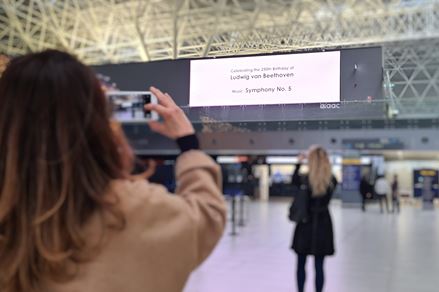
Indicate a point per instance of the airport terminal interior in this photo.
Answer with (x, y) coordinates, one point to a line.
(264, 82)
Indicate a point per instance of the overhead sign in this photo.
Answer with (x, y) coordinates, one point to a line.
(373, 144)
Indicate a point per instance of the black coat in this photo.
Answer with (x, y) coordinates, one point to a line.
(315, 236)
(365, 188)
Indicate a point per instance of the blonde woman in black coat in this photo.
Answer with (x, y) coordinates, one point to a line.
(314, 236)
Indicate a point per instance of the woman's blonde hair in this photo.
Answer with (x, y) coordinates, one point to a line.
(320, 174)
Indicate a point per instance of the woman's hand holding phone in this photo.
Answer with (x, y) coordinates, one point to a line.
(175, 123)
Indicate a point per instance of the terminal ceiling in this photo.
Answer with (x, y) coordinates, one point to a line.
(112, 31)
(116, 31)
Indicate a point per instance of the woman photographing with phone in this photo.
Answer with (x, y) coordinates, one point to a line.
(314, 234)
(71, 217)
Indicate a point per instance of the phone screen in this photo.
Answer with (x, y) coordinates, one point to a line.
(130, 107)
(146, 100)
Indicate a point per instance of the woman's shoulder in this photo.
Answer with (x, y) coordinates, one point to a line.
(142, 198)
(136, 190)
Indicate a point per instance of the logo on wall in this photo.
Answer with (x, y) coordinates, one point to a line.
(329, 106)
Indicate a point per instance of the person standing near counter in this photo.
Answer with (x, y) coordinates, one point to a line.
(382, 190)
(395, 194)
(366, 191)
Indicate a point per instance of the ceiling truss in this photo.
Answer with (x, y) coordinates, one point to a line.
(115, 31)
(411, 79)
(112, 31)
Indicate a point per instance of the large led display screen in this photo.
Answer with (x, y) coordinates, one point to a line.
(349, 83)
(340, 84)
(266, 80)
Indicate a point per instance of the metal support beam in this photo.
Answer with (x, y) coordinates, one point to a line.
(102, 31)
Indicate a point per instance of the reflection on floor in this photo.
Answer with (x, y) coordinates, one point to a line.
(375, 252)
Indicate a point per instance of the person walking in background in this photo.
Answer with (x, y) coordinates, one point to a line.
(365, 191)
(395, 194)
(314, 235)
(381, 190)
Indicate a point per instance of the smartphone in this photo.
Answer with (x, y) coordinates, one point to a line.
(129, 106)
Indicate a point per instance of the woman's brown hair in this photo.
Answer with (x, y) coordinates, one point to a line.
(58, 156)
(320, 174)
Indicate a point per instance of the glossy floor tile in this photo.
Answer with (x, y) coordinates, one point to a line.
(375, 252)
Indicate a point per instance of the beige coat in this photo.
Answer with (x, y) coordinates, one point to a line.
(166, 236)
